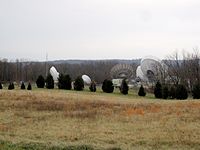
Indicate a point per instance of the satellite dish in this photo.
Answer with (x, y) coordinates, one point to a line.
(121, 71)
(150, 66)
(150, 69)
(86, 79)
(140, 74)
(54, 73)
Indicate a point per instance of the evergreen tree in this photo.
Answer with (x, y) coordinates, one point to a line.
(165, 92)
(49, 82)
(29, 86)
(79, 84)
(61, 81)
(64, 82)
(40, 81)
(141, 91)
(158, 90)
(172, 92)
(68, 82)
(181, 92)
(124, 87)
(107, 86)
(23, 86)
(196, 91)
(93, 86)
(11, 86)
(1, 87)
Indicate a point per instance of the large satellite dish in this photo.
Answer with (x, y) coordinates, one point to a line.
(122, 71)
(54, 73)
(86, 79)
(140, 74)
(150, 69)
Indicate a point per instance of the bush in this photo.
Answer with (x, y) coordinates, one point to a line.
(196, 91)
(49, 82)
(1, 87)
(11, 86)
(23, 86)
(181, 92)
(79, 84)
(29, 86)
(64, 82)
(158, 90)
(107, 86)
(124, 87)
(165, 92)
(172, 92)
(141, 91)
(93, 87)
(40, 81)
(61, 81)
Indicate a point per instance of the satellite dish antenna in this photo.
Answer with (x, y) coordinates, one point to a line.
(150, 69)
(54, 73)
(121, 71)
(150, 66)
(86, 79)
(140, 74)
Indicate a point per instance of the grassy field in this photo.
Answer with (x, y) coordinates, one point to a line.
(60, 119)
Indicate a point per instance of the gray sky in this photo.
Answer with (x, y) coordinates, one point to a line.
(97, 29)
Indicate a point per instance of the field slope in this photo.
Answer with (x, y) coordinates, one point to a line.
(59, 119)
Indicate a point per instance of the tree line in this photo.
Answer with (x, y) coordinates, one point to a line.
(22, 70)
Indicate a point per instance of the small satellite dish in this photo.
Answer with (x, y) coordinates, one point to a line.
(54, 73)
(86, 79)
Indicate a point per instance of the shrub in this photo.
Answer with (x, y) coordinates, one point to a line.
(79, 84)
(181, 92)
(29, 86)
(124, 87)
(23, 86)
(68, 82)
(40, 81)
(165, 92)
(141, 91)
(11, 86)
(49, 82)
(107, 86)
(61, 81)
(172, 92)
(64, 82)
(1, 87)
(158, 90)
(93, 86)
(196, 91)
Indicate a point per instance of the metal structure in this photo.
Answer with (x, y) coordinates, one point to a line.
(54, 73)
(86, 79)
(150, 69)
(122, 71)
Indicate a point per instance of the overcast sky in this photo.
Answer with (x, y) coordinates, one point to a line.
(97, 29)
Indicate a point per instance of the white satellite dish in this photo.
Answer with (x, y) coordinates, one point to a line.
(150, 65)
(86, 79)
(140, 74)
(150, 69)
(54, 73)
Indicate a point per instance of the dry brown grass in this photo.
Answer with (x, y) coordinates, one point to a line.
(103, 121)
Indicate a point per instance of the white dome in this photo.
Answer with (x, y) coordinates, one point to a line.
(86, 79)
